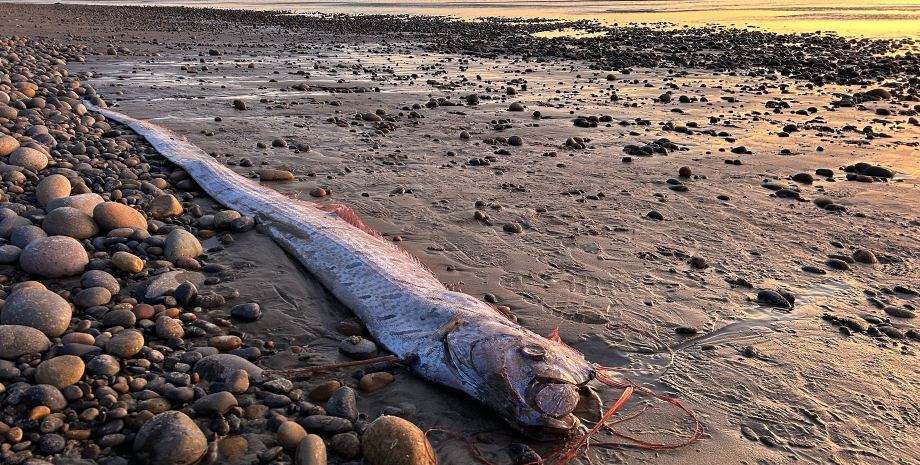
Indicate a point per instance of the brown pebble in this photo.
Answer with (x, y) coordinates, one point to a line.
(374, 381)
(143, 311)
(351, 327)
(324, 391)
(77, 434)
(685, 172)
(317, 192)
(225, 343)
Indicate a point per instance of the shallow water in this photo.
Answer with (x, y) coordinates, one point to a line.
(879, 19)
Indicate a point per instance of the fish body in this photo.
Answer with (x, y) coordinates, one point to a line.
(446, 337)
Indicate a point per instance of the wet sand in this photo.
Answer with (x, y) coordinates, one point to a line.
(771, 385)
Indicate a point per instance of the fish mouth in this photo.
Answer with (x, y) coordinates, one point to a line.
(553, 429)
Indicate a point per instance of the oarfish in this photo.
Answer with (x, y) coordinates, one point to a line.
(446, 337)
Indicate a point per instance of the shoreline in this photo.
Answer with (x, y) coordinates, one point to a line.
(375, 111)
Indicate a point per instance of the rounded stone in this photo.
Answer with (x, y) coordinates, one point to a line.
(164, 206)
(290, 434)
(103, 365)
(358, 348)
(98, 278)
(92, 297)
(516, 106)
(123, 318)
(30, 158)
(7, 145)
(9, 254)
(167, 327)
(170, 438)
(11, 223)
(311, 451)
(223, 219)
(52, 187)
(60, 372)
(125, 344)
(343, 404)
(18, 340)
(68, 221)
(214, 404)
(37, 308)
(248, 311)
(24, 235)
(44, 395)
(181, 244)
(374, 381)
(225, 343)
(127, 262)
(54, 257)
(219, 367)
(86, 203)
(391, 440)
(113, 215)
(865, 256)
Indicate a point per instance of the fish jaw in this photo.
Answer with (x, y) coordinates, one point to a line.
(532, 382)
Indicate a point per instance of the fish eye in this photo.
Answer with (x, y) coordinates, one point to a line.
(534, 352)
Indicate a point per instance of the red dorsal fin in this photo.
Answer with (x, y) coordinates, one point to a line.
(350, 217)
(554, 335)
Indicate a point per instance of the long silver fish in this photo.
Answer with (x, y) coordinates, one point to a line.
(446, 337)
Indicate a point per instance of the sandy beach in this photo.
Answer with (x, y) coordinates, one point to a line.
(635, 188)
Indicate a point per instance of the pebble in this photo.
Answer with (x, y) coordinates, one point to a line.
(52, 187)
(37, 308)
(125, 344)
(218, 367)
(86, 203)
(225, 343)
(289, 434)
(347, 445)
(60, 372)
(900, 312)
(68, 221)
(343, 404)
(127, 262)
(325, 424)
(29, 158)
(248, 311)
(514, 228)
(44, 395)
(103, 365)
(8, 144)
(181, 244)
(113, 215)
(216, 403)
(24, 235)
(655, 215)
(516, 106)
(92, 297)
(170, 438)
(18, 340)
(374, 381)
(164, 206)
(311, 451)
(865, 256)
(324, 391)
(167, 327)
(269, 174)
(392, 440)
(358, 348)
(54, 257)
(773, 298)
(10, 254)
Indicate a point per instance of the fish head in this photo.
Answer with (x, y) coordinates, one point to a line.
(534, 383)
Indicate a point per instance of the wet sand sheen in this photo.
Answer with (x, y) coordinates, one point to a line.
(821, 380)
